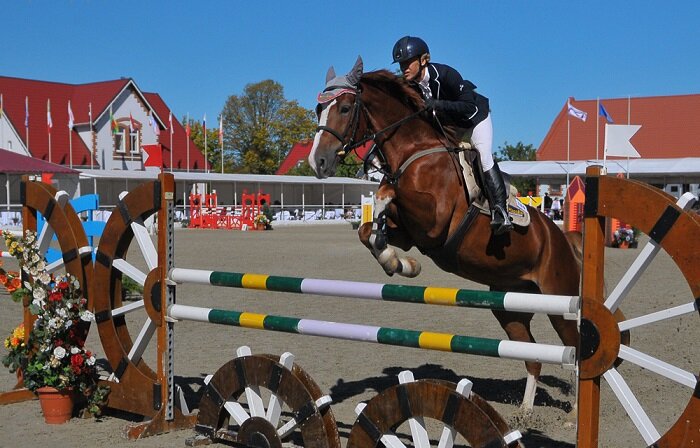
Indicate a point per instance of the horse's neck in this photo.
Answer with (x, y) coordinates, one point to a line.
(399, 144)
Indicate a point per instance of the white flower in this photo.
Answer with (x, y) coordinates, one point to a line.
(74, 350)
(68, 323)
(87, 316)
(59, 352)
(53, 323)
(28, 286)
(90, 361)
(38, 302)
(39, 294)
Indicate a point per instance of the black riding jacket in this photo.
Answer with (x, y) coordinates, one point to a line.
(457, 102)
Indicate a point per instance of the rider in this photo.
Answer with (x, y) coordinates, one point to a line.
(455, 102)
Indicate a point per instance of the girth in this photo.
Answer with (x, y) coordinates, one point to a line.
(447, 253)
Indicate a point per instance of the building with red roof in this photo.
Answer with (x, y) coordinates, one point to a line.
(111, 122)
(300, 152)
(670, 128)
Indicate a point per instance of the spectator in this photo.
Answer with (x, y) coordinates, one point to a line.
(556, 209)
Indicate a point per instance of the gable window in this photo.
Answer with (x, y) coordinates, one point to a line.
(134, 146)
(120, 141)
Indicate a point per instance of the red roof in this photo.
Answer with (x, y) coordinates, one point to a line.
(301, 151)
(670, 128)
(97, 94)
(11, 162)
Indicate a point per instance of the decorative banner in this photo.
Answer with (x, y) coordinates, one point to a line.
(617, 140)
(154, 155)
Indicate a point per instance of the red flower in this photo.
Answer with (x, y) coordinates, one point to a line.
(76, 362)
(55, 296)
(63, 285)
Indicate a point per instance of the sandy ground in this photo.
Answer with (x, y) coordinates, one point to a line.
(353, 372)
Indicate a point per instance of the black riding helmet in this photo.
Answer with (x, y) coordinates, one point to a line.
(409, 47)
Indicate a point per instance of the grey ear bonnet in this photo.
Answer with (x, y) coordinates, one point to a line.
(337, 85)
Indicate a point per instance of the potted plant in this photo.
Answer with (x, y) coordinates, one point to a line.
(54, 361)
(261, 222)
(623, 237)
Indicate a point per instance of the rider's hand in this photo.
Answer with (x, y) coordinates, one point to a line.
(432, 104)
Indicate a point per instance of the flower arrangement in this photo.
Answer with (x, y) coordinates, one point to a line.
(17, 352)
(12, 282)
(261, 219)
(54, 352)
(623, 235)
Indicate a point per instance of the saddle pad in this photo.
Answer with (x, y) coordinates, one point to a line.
(516, 210)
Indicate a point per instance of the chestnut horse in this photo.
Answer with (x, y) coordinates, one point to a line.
(422, 202)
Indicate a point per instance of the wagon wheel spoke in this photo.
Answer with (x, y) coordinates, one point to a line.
(632, 407)
(130, 270)
(659, 316)
(659, 367)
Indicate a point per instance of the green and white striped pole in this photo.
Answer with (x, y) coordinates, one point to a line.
(523, 351)
(509, 301)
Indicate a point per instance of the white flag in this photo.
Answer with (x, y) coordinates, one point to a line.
(578, 113)
(170, 122)
(71, 119)
(617, 140)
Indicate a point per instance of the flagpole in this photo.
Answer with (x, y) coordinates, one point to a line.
(221, 140)
(26, 121)
(568, 145)
(188, 142)
(597, 127)
(629, 112)
(171, 144)
(204, 127)
(48, 127)
(92, 145)
(70, 137)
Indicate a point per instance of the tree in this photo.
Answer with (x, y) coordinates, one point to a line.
(260, 127)
(519, 152)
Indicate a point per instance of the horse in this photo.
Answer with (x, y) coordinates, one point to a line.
(422, 202)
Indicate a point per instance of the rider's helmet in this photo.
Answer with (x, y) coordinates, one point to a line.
(409, 47)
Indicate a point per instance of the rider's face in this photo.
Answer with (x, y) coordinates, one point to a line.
(411, 69)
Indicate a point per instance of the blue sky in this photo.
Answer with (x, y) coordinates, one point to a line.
(526, 56)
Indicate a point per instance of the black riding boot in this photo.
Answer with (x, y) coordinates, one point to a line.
(497, 196)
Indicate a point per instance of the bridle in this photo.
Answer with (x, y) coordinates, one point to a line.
(351, 130)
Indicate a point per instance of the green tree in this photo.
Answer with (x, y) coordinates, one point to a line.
(260, 127)
(522, 152)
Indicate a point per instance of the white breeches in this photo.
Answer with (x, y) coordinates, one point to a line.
(482, 140)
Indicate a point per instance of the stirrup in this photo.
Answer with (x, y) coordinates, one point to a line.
(500, 221)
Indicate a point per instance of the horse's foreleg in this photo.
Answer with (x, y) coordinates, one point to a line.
(376, 238)
(517, 327)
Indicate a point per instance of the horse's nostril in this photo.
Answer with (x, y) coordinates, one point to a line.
(322, 162)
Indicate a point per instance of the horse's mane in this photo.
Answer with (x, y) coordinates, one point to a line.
(398, 88)
(395, 86)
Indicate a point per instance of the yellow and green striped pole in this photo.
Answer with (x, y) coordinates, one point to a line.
(523, 351)
(509, 301)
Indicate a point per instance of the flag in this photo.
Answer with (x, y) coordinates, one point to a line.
(153, 124)
(204, 124)
(26, 111)
(132, 125)
(90, 114)
(71, 118)
(154, 155)
(112, 122)
(187, 129)
(617, 140)
(604, 113)
(578, 113)
(49, 122)
(0, 105)
(170, 121)
(221, 130)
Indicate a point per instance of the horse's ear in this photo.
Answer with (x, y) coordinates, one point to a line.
(331, 74)
(356, 72)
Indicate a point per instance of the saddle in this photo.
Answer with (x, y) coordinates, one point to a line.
(473, 179)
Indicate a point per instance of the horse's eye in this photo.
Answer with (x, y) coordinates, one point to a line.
(345, 109)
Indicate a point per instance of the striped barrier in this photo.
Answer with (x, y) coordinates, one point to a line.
(509, 301)
(522, 351)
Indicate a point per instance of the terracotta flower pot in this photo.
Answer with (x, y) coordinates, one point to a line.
(260, 226)
(56, 405)
(624, 245)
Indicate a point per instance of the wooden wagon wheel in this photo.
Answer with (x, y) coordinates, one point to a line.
(675, 231)
(134, 386)
(462, 417)
(64, 223)
(222, 415)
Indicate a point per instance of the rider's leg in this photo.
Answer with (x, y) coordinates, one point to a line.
(482, 140)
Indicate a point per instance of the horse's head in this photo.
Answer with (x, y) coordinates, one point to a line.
(338, 113)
